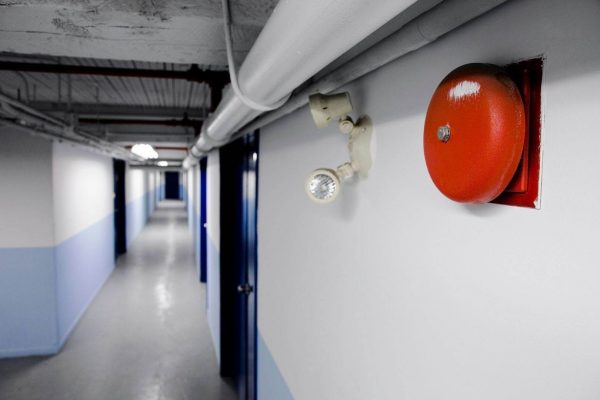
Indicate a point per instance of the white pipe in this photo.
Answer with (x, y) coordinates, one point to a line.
(264, 60)
(298, 40)
(428, 27)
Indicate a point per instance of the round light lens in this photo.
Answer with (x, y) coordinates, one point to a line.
(323, 186)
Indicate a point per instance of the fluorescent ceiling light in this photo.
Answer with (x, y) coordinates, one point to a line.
(162, 164)
(144, 150)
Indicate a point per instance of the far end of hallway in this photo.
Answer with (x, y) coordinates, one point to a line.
(145, 336)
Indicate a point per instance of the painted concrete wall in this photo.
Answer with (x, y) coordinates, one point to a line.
(193, 211)
(198, 228)
(150, 193)
(213, 281)
(57, 240)
(188, 196)
(141, 194)
(161, 195)
(395, 292)
(56, 237)
(84, 230)
(27, 300)
(25, 159)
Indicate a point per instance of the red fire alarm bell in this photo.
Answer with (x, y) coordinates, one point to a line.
(474, 133)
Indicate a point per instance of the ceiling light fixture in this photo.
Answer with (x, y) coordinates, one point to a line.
(145, 151)
(162, 163)
(324, 185)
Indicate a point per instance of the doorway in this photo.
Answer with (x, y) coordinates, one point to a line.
(172, 185)
(203, 220)
(120, 216)
(239, 190)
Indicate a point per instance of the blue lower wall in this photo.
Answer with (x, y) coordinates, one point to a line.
(150, 203)
(197, 247)
(213, 294)
(139, 211)
(270, 382)
(191, 213)
(27, 302)
(83, 263)
(137, 215)
(45, 291)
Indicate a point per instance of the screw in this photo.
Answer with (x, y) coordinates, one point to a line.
(443, 133)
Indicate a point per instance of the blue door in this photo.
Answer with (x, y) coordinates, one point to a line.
(239, 180)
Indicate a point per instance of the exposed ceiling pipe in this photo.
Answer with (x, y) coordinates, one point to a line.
(93, 110)
(16, 114)
(193, 74)
(298, 40)
(428, 27)
(195, 123)
(232, 116)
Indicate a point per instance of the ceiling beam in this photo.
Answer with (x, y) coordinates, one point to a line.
(91, 110)
(115, 137)
(193, 74)
(197, 124)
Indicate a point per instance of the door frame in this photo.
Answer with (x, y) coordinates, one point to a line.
(203, 221)
(172, 189)
(120, 207)
(238, 213)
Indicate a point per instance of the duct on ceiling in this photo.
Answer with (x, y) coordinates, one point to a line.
(301, 38)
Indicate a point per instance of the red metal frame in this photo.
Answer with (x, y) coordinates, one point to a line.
(524, 189)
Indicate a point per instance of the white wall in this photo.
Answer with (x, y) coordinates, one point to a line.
(56, 242)
(136, 185)
(140, 199)
(395, 292)
(84, 230)
(28, 301)
(26, 204)
(83, 189)
(150, 184)
(213, 223)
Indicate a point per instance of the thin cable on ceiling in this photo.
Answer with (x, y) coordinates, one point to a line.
(232, 71)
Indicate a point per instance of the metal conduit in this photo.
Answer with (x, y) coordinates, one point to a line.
(232, 118)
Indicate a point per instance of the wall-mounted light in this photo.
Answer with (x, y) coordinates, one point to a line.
(324, 185)
(145, 151)
(163, 163)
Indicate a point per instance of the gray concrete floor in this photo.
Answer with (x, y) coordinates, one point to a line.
(144, 337)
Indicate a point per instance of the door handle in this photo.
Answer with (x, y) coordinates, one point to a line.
(246, 289)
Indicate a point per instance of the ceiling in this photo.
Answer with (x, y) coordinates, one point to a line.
(128, 71)
(172, 31)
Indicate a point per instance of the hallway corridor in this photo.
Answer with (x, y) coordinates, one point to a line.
(145, 336)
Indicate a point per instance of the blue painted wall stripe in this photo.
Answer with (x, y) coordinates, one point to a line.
(83, 264)
(136, 218)
(45, 291)
(197, 247)
(27, 302)
(213, 296)
(270, 384)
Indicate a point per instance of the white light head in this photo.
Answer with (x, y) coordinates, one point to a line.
(323, 185)
(324, 108)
